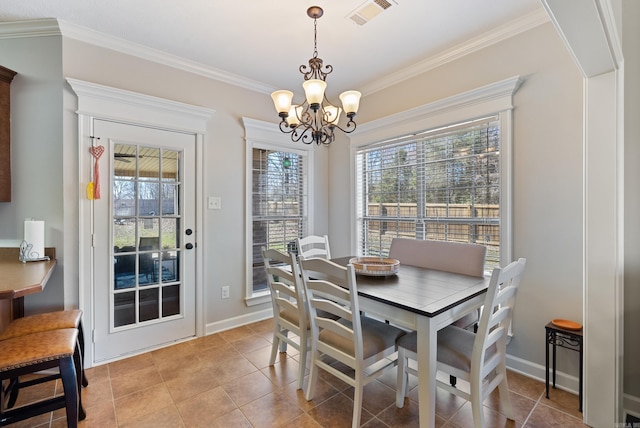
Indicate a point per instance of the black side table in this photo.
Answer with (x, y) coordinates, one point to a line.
(569, 339)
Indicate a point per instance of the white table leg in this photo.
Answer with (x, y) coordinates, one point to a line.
(427, 354)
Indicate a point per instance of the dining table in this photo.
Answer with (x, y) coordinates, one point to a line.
(424, 300)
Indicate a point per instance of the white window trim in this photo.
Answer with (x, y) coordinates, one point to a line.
(267, 135)
(495, 98)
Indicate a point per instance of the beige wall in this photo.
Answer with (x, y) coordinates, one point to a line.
(547, 172)
(36, 152)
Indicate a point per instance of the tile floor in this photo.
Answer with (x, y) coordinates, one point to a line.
(223, 380)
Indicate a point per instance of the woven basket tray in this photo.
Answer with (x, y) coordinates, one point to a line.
(375, 266)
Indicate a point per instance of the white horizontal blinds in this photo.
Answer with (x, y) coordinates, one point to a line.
(279, 200)
(441, 184)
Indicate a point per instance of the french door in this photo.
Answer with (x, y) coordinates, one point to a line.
(143, 239)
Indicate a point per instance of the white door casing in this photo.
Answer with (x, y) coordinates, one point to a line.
(101, 102)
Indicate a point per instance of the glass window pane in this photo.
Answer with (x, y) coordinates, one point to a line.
(124, 234)
(124, 160)
(170, 162)
(149, 232)
(149, 268)
(279, 201)
(170, 199)
(124, 198)
(124, 267)
(149, 304)
(149, 163)
(444, 182)
(170, 300)
(148, 198)
(170, 233)
(124, 308)
(169, 266)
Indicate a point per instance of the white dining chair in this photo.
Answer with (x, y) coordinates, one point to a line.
(476, 358)
(456, 257)
(364, 344)
(289, 308)
(314, 246)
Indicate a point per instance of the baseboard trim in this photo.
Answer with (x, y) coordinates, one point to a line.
(564, 381)
(239, 321)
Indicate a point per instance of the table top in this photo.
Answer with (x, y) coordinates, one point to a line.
(423, 291)
(19, 279)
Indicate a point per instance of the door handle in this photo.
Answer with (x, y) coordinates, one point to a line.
(189, 246)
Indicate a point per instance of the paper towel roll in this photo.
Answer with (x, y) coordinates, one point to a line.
(34, 236)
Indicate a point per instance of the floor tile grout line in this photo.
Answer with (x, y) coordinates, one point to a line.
(524, 424)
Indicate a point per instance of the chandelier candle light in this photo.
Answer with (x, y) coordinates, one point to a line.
(316, 118)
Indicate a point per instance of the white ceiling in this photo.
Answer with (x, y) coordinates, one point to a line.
(266, 41)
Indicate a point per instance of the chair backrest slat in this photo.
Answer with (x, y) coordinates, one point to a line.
(314, 246)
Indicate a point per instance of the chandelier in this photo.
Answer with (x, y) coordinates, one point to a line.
(316, 119)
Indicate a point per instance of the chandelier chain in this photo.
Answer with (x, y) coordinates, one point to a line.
(315, 37)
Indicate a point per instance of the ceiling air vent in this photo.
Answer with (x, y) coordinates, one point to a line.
(369, 10)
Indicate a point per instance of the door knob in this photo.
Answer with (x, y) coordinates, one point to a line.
(189, 246)
(188, 231)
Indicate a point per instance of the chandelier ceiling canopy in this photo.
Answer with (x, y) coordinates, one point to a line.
(316, 119)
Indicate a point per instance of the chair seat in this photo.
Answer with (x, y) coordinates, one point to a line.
(377, 336)
(35, 348)
(42, 322)
(455, 346)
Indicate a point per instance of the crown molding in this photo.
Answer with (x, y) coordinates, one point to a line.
(96, 38)
(56, 27)
(498, 34)
(31, 28)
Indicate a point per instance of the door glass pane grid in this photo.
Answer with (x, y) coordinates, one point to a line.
(147, 285)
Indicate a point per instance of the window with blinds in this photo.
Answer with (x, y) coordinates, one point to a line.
(442, 184)
(279, 200)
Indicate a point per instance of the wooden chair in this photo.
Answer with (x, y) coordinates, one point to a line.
(456, 257)
(33, 353)
(314, 246)
(477, 358)
(289, 307)
(364, 344)
(71, 318)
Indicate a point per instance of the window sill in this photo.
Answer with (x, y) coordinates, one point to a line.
(258, 298)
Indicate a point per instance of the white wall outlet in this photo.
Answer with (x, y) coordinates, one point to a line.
(225, 292)
(214, 203)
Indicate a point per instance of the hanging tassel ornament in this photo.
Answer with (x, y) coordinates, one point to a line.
(93, 189)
